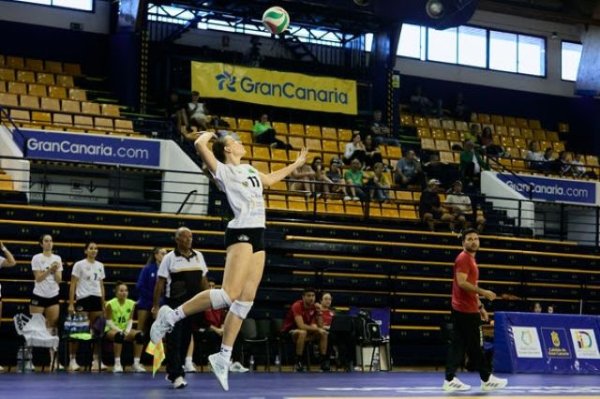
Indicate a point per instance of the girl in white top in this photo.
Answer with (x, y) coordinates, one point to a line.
(244, 239)
(47, 270)
(87, 285)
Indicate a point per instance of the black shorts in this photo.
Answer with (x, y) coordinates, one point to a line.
(254, 237)
(42, 302)
(89, 304)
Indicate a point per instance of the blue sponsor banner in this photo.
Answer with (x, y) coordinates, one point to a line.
(88, 148)
(546, 343)
(552, 190)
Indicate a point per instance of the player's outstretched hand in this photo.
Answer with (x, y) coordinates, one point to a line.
(301, 160)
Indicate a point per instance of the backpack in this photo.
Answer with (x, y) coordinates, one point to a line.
(366, 330)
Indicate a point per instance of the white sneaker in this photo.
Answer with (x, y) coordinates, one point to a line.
(179, 383)
(355, 199)
(190, 368)
(162, 325)
(493, 383)
(347, 198)
(117, 368)
(73, 366)
(220, 367)
(236, 367)
(138, 368)
(455, 385)
(1, 368)
(95, 365)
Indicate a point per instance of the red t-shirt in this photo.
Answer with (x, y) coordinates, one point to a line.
(465, 301)
(327, 316)
(309, 315)
(215, 317)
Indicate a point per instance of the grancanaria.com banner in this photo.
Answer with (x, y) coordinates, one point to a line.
(279, 89)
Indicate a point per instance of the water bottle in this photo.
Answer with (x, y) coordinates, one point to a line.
(69, 324)
(277, 361)
(28, 359)
(251, 362)
(20, 363)
(376, 365)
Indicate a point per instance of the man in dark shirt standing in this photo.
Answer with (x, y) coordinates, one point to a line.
(181, 275)
(467, 313)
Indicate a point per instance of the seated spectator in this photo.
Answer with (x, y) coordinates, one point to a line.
(419, 103)
(119, 322)
(338, 184)
(380, 131)
(379, 184)
(197, 114)
(436, 169)
(461, 110)
(550, 309)
(535, 157)
(487, 144)
(327, 312)
(372, 153)
(263, 133)
(430, 208)
(305, 324)
(302, 179)
(471, 165)
(537, 308)
(354, 181)
(563, 164)
(459, 206)
(579, 169)
(548, 159)
(175, 111)
(355, 149)
(323, 184)
(474, 133)
(408, 171)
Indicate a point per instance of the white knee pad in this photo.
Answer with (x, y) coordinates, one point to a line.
(219, 299)
(241, 308)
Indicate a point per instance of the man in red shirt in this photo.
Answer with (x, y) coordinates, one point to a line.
(305, 324)
(467, 313)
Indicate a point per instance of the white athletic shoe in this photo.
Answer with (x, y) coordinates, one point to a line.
(236, 367)
(455, 385)
(138, 368)
(179, 383)
(162, 325)
(1, 368)
(493, 383)
(117, 368)
(73, 366)
(95, 365)
(220, 367)
(190, 368)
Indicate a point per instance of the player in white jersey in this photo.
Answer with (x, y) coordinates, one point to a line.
(47, 270)
(244, 239)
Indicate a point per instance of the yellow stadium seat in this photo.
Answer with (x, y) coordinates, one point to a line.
(328, 156)
(36, 89)
(275, 166)
(329, 133)
(510, 121)
(296, 142)
(2, 86)
(296, 203)
(276, 201)
(353, 208)
(2, 60)
(438, 133)
(539, 134)
(434, 122)
(552, 136)
(497, 119)
(501, 130)
(245, 124)
(534, 124)
(558, 146)
(563, 127)
(506, 141)
(110, 110)
(230, 120)
(261, 166)
(389, 211)
(57, 92)
(448, 124)
(20, 115)
(6, 183)
(452, 135)
(7, 74)
(335, 207)
(26, 76)
(296, 129)
(278, 154)
(245, 137)
(50, 104)
(63, 119)
(124, 125)
(53, 66)
(591, 160)
(72, 69)
(34, 64)
(514, 131)
(84, 121)
(427, 144)
(420, 121)
(313, 131)
(519, 142)
(527, 134)
(90, 108)
(446, 157)
(64, 81)
(15, 62)
(280, 127)
(45, 78)
(103, 123)
(32, 102)
(461, 125)
(330, 146)
(17, 87)
(261, 152)
(77, 94)
(394, 152)
(522, 123)
(9, 100)
(483, 118)
(408, 212)
(423, 132)
(43, 117)
(313, 144)
(442, 145)
(344, 134)
(518, 164)
(71, 106)
(406, 120)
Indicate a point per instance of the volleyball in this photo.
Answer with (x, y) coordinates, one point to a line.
(276, 20)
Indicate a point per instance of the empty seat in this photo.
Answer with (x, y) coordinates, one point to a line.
(461, 125)
(53, 66)
(36, 89)
(45, 78)
(124, 125)
(296, 129)
(9, 100)
(552, 136)
(394, 152)
(72, 69)
(103, 123)
(313, 144)
(64, 81)
(57, 92)
(330, 146)
(344, 134)
(26, 76)
(423, 132)
(90, 108)
(29, 101)
(2, 60)
(34, 64)
(82, 120)
(329, 133)
(20, 115)
(406, 120)
(245, 137)
(71, 106)
(63, 119)
(17, 87)
(230, 121)
(77, 94)
(244, 124)
(427, 144)
(534, 124)
(2, 86)
(7, 74)
(261, 152)
(15, 62)
(50, 104)
(452, 135)
(261, 166)
(313, 131)
(43, 117)
(296, 142)
(279, 154)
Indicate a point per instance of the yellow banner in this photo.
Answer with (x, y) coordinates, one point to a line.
(279, 89)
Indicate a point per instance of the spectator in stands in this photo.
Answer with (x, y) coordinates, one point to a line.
(119, 328)
(430, 208)
(487, 144)
(563, 164)
(175, 111)
(459, 206)
(145, 288)
(471, 165)
(197, 113)
(420, 104)
(468, 313)
(461, 110)
(354, 181)
(304, 322)
(372, 153)
(537, 307)
(379, 184)
(436, 169)
(549, 160)
(535, 157)
(181, 275)
(338, 184)
(323, 184)
(264, 133)
(355, 149)
(327, 312)
(409, 171)
(47, 270)
(474, 133)
(381, 133)
(87, 286)
(578, 168)
(550, 309)
(8, 260)
(303, 180)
